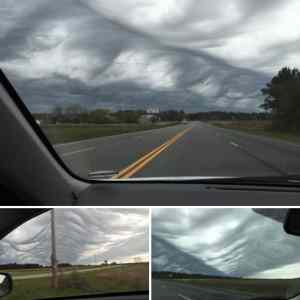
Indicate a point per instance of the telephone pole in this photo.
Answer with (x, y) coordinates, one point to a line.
(54, 278)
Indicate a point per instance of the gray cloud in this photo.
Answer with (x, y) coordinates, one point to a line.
(83, 236)
(186, 54)
(237, 242)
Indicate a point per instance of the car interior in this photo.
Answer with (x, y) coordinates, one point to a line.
(33, 174)
(10, 219)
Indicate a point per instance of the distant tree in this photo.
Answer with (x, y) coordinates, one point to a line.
(128, 116)
(172, 115)
(62, 265)
(283, 99)
(75, 109)
(226, 116)
(57, 114)
(99, 116)
(57, 110)
(73, 112)
(105, 262)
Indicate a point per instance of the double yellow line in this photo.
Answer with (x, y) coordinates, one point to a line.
(143, 161)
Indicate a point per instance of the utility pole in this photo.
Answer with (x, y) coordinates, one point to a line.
(54, 278)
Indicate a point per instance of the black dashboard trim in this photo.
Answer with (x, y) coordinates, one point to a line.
(106, 295)
(36, 128)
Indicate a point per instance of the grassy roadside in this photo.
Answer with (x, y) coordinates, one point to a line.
(275, 288)
(130, 277)
(64, 133)
(262, 128)
(34, 271)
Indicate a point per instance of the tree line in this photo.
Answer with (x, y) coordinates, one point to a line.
(75, 114)
(176, 275)
(282, 99)
(227, 116)
(15, 266)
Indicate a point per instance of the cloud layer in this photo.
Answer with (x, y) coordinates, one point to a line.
(83, 236)
(187, 54)
(236, 242)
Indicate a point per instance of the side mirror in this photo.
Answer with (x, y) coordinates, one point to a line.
(292, 222)
(6, 284)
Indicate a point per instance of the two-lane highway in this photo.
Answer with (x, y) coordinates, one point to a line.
(167, 290)
(194, 149)
(115, 152)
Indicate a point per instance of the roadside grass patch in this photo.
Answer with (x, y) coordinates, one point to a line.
(119, 278)
(64, 133)
(263, 128)
(270, 288)
(34, 271)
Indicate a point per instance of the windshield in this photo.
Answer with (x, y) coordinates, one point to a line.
(238, 253)
(160, 88)
(71, 252)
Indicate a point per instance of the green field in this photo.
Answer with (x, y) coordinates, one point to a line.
(272, 288)
(259, 128)
(119, 278)
(22, 272)
(64, 133)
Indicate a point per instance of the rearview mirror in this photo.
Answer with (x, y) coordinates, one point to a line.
(5, 284)
(292, 222)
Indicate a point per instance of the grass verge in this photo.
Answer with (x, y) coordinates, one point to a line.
(121, 278)
(34, 271)
(263, 128)
(64, 133)
(270, 288)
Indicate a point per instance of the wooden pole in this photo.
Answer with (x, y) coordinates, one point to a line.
(54, 278)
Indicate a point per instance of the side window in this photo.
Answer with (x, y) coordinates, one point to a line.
(70, 252)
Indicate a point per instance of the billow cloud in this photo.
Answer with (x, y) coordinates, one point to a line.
(83, 236)
(185, 54)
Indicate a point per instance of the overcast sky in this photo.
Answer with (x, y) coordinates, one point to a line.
(84, 236)
(237, 242)
(187, 54)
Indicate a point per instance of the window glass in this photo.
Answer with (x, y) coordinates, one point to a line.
(223, 253)
(89, 251)
(169, 88)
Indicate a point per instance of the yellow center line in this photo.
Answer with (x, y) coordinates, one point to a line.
(143, 161)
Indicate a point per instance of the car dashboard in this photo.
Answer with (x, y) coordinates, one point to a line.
(119, 296)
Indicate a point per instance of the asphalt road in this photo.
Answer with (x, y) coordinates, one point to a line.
(194, 149)
(167, 290)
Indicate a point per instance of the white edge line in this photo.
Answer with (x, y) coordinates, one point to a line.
(78, 151)
(184, 297)
(234, 144)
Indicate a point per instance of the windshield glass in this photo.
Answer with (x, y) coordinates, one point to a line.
(89, 251)
(223, 253)
(186, 88)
